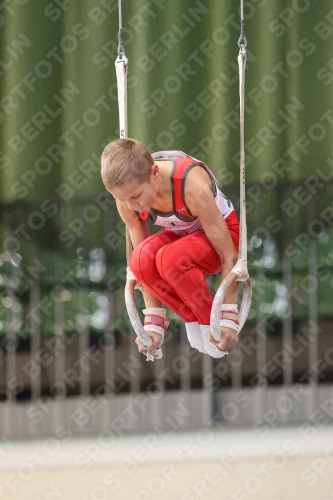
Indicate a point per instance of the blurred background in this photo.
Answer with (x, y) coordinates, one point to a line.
(69, 366)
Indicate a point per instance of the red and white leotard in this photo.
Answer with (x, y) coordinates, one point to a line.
(172, 264)
(180, 220)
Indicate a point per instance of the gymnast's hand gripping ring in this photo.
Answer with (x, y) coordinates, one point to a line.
(238, 273)
(136, 322)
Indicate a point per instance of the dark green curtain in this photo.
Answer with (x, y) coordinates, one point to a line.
(58, 93)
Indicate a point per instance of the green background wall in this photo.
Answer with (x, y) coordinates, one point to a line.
(183, 88)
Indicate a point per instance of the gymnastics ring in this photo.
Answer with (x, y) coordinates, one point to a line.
(121, 64)
(136, 322)
(238, 273)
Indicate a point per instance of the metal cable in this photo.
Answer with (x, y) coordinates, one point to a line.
(242, 39)
(121, 48)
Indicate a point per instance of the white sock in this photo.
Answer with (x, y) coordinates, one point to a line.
(195, 337)
(209, 346)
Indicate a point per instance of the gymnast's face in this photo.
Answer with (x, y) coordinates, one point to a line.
(137, 196)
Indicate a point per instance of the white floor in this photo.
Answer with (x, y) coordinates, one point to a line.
(203, 444)
(288, 463)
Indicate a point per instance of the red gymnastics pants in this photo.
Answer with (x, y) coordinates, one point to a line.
(173, 269)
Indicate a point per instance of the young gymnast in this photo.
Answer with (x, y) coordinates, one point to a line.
(201, 235)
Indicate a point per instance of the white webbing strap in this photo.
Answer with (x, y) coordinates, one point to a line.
(121, 72)
(242, 251)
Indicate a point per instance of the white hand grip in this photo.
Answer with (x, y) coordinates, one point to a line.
(238, 273)
(136, 322)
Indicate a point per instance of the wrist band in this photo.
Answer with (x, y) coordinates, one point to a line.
(229, 316)
(155, 320)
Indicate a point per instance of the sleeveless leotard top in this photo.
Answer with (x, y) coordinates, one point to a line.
(180, 220)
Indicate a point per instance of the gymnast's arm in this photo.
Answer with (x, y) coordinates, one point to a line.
(138, 230)
(201, 202)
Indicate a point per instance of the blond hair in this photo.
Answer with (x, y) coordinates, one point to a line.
(123, 161)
